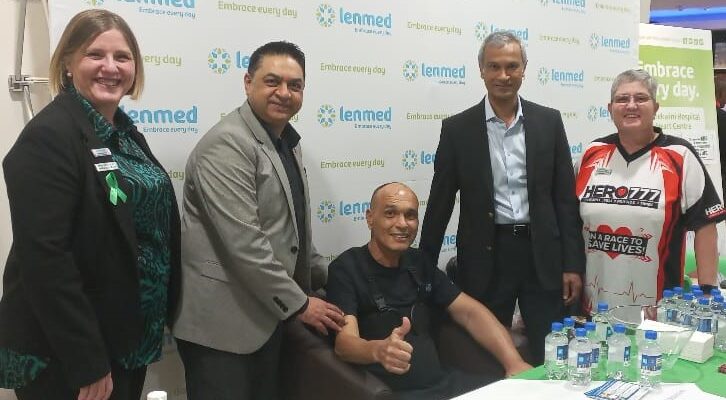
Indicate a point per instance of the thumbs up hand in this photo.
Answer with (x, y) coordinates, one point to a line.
(394, 353)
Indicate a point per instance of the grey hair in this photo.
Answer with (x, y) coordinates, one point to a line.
(635, 75)
(500, 39)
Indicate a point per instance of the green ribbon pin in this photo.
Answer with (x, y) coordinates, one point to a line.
(115, 192)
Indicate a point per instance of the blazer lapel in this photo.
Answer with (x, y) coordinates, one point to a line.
(122, 211)
(531, 145)
(481, 148)
(271, 152)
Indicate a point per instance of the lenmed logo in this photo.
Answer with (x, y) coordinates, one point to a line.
(326, 115)
(219, 60)
(595, 113)
(561, 77)
(410, 158)
(442, 74)
(578, 6)
(169, 8)
(410, 70)
(164, 120)
(482, 29)
(360, 118)
(361, 22)
(325, 15)
(613, 44)
(326, 211)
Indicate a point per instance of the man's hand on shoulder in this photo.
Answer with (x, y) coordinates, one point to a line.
(394, 353)
(322, 316)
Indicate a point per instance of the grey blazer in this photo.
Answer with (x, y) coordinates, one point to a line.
(240, 239)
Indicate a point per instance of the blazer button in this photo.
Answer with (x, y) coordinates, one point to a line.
(293, 249)
(489, 248)
(491, 215)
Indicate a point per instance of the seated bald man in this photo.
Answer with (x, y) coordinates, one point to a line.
(390, 296)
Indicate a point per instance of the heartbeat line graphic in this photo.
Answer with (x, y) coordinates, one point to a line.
(630, 292)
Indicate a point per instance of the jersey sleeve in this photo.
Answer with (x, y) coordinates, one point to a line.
(700, 202)
(444, 290)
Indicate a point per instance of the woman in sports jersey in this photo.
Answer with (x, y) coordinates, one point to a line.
(640, 191)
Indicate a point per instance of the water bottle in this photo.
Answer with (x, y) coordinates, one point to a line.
(685, 309)
(650, 361)
(677, 293)
(556, 349)
(569, 324)
(716, 309)
(156, 395)
(667, 311)
(618, 353)
(720, 342)
(695, 287)
(578, 359)
(697, 294)
(704, 316)
(602, 327)
(591, 333)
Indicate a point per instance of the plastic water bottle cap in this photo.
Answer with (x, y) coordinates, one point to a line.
(156, 395)
(651, 335)
(688, 296)
(569, 322)
(590, 326)
(715, 292)
(695, 287)
(619, 328)
(602, 307)
(703, 301)
(556, 326)
(678, 290)
(580, 332)
(697, 293)
(717, 298)
(667, 293)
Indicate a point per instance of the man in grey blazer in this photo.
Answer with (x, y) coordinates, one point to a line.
(248, 263)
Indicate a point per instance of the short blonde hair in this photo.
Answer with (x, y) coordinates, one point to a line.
(83, 29)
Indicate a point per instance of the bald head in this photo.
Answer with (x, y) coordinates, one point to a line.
(391, 187)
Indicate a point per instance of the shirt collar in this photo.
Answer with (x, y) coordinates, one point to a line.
(489, 114)
(103, 128)
(289, 135)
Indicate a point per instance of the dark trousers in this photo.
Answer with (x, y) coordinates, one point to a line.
(220, 375)
(51, 384)
(514, 278)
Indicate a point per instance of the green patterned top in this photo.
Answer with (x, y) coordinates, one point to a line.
(151, 195)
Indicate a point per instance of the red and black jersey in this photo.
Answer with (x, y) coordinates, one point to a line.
(636, 209)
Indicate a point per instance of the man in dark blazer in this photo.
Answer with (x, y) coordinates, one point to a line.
(518, 236)
(248, 263)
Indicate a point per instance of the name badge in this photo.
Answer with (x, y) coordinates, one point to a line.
(107, 166)
(103, 151)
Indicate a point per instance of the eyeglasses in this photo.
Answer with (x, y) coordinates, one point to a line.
(625, 99)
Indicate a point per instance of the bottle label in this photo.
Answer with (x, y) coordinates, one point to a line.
(650, 365)
(671, 315)
(595, 358)
(687, 319)
(561, 356)
(626, 356)
(583, 361)
(704, 325)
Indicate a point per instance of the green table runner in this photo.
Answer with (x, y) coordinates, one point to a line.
(705, 376)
